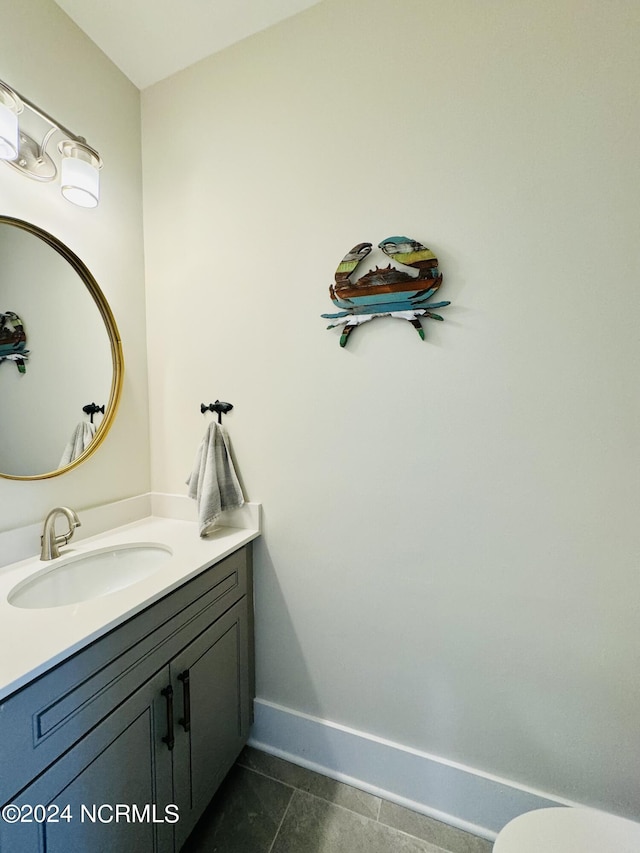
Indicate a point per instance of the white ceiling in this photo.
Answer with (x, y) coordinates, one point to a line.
(151, 39)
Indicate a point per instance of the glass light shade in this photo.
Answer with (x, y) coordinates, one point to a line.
(9, 143)
(80, 181)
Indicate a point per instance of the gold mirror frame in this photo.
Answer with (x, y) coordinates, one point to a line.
(114, 340)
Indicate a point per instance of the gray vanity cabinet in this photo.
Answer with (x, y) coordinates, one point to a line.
(212, 722)
(153, 716)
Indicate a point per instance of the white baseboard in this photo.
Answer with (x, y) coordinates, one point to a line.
(457, 795)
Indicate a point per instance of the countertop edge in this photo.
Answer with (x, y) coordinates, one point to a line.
(81, 624)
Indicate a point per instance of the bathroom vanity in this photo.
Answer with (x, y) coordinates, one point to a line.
(120, 743)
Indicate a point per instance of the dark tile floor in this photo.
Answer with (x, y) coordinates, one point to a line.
(266, 805)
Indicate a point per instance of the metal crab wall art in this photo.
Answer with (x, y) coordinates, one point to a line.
(387, 291)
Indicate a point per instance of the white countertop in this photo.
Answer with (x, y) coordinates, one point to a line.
(34, 640)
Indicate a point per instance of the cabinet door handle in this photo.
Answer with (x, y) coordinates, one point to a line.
(185, 721)
(169, 738)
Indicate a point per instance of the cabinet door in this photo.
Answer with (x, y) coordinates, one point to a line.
(122, 762)
(211, 680)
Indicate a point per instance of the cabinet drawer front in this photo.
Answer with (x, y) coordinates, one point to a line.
(49, 716)
(121, 761)
(127, 667)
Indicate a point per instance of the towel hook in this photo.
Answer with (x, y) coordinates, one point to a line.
(92, 409)
(219, 407)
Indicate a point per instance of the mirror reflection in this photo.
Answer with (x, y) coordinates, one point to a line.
(60, 357)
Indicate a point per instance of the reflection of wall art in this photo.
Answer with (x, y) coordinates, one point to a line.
(386, 292)
(13, 341)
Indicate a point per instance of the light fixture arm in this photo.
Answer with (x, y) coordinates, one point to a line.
(79, 179)
(55, 125)
(43, 145)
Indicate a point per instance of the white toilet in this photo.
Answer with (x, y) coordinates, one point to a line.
(568, 830)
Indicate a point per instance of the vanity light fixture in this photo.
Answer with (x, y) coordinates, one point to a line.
(80, 164)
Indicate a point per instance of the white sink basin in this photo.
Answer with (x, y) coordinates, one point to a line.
(90, 575)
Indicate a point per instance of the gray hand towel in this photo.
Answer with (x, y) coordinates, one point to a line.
(213, 482)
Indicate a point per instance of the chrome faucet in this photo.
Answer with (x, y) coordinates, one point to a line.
(49, 540)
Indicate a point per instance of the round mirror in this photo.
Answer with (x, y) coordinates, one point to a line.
(60, 356)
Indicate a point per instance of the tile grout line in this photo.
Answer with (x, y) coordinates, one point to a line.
(311, 794)
(376, 819)
(319, 797)
(282, 820)
(266, 776)
(435, 848)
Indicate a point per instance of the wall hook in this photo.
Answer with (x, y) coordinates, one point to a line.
(92, 409)
(219, 407)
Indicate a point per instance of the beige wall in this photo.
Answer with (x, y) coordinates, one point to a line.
(450, 550)
(450, 556)
(53, 64)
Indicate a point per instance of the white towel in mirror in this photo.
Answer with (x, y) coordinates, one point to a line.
(82, 437)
